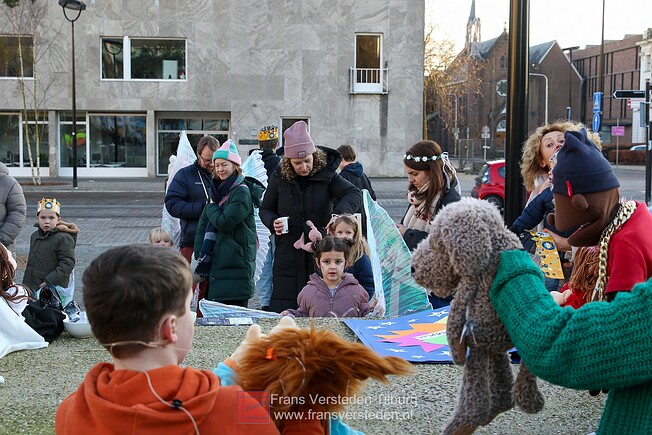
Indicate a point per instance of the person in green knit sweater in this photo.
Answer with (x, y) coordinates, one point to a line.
(601, 345)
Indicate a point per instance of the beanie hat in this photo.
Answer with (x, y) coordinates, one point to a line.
(297, 141)
(268, 132)
(581, 167)
(48, 204)
(228, 151)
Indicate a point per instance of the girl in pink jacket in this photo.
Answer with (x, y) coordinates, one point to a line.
(337, 294)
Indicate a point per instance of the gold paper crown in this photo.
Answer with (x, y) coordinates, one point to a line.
(48, 204)
(269, 132)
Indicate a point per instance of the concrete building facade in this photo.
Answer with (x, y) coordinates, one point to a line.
(146, 70)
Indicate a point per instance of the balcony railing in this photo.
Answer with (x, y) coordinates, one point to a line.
(368, 80)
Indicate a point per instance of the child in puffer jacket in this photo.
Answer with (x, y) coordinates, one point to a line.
(337, 294)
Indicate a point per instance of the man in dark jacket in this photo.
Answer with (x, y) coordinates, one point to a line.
(189, 192)
(305, 187)
(353, 172)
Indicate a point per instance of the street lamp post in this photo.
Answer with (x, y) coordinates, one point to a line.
(570, 50)
(546, 98)
(456, 133)
(78, 7)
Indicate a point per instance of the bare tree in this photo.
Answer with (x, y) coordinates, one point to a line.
(449, 78)
(28, 22)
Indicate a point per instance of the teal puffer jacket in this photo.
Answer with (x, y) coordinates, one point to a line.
(234, 252)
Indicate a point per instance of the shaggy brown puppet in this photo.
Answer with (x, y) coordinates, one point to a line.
(297, 365)
(460, 257)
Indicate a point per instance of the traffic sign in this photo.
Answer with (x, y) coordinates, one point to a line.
(485, 129)
(597, 102)
(624, 93)
(596, 122)
(485, 135)
(618, 130)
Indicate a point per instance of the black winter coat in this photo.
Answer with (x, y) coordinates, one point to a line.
(313, 198)
(186, 199)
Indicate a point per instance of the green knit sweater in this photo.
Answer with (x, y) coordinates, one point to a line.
(601, 345)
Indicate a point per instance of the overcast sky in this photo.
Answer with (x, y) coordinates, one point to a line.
(570, 22)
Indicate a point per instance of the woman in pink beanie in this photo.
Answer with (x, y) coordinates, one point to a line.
(305, 187)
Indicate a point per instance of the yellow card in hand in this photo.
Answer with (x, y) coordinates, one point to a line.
(546, 249)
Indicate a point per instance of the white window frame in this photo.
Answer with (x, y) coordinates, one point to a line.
(126, 59)
(370, 86)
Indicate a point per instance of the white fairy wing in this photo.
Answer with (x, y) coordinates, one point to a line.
(253, 166)
(400, 294)
(185, 157)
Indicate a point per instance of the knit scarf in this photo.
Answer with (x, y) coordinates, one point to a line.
(415, 217)
(220, 192)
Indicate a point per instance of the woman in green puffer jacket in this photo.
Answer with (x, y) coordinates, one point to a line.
(225, 242)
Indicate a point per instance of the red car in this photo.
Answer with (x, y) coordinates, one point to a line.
(490, 183)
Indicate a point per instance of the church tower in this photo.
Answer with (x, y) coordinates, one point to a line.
(472, 27)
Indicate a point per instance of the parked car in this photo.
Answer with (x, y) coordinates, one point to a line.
(490, 183)
(638, 148)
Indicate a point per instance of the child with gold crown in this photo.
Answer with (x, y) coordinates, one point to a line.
(51, 248)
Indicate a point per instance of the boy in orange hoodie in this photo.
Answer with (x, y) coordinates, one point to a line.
(138, 303)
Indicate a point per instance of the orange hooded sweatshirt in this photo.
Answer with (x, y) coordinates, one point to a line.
(121, 402)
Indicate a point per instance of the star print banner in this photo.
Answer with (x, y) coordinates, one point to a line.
(419, 337)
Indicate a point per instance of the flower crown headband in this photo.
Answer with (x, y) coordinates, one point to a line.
(422, 158)
(447, 164)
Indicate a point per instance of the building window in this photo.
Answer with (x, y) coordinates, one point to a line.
(12, 133)
(9, 134)
(170, 127)
(287, 123)
(368, 75)
(43, 150)
(143, 58)
(117, 141)
(112, 58)
(10, 59)
(65, 139)
(503, 62)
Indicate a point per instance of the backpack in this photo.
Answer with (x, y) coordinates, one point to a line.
(45, 315)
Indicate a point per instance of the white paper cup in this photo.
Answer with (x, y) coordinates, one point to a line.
(284, 219)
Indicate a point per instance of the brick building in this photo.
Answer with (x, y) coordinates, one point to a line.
(621, 71)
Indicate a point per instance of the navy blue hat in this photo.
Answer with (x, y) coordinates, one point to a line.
(581, 167)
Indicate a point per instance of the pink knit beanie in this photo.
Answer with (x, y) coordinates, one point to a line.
(297, 143)
(228, 151)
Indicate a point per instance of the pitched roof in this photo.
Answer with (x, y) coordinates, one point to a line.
(539, 52)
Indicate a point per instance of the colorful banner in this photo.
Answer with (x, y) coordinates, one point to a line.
(393, 270)
(419, 337)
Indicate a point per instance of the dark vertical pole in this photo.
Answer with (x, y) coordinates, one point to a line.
(74, 114)
(601, 73)
(648, 155)
(569, 110)
(517, 106)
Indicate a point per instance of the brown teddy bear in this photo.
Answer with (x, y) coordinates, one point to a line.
(460, 257)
